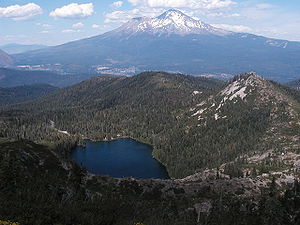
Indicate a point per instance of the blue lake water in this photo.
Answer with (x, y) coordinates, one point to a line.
(119, 158)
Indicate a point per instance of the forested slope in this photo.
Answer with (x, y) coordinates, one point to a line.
(193, 123)
(24, 93)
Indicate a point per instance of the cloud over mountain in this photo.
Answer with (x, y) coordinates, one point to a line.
(194, 4)
(73, 11)
(236, 28)
(116, 4)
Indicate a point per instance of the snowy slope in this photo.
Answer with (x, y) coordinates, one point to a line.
(170, 22)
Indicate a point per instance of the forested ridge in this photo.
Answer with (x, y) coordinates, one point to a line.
(156, 108)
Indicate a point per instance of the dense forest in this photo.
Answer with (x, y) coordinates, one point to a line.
(155, 108)
(39, 187)
(24, 93)
(245, 131)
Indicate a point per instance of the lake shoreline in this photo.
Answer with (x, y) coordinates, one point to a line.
(112, 139)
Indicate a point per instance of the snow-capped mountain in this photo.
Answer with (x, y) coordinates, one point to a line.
(172, 42)
(170, 22)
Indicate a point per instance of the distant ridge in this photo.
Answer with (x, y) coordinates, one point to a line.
(5, 59)
(20, 48)
(172, 42)
(12, 78)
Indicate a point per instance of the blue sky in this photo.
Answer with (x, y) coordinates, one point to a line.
(53, 22)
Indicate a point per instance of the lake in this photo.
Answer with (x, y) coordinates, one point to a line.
(123, 157)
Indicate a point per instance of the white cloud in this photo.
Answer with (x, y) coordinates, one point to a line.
(11, 37)
(21, 12)
(124, 16)
(116, 5)
(152, 8)
(134, 2)
(236, 28)
(192, 4)
(45, 32)
(44, 25)
(221, 15)
(78, 25)
(118, 17)
(97, 26)
(70, 31)
(265, 6)
(73, 11)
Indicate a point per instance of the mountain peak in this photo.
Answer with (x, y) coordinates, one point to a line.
(171, 13)
(170, 22)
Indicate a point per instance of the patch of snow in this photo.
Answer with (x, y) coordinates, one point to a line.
(201, 104)
(63, 132)
(222, 103)
(240, 93)
(52, 124)
(41, 162)
(231, 88)
(217, 116)
(277, 44)
(199, 112)
(196, 93)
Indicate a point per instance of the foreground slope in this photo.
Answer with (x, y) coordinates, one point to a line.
(193, 123)
(175, 42)
(40, 186)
